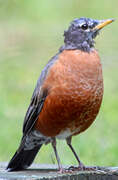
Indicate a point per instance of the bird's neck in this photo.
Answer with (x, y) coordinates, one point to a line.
(85, 46)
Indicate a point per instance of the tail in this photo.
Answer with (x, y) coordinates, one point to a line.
(22, 159)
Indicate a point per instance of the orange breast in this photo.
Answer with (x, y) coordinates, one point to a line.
(75, 93)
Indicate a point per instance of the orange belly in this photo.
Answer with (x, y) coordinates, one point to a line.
(75, 93)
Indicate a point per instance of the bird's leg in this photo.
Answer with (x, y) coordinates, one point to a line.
(56, 154)
(81, 165)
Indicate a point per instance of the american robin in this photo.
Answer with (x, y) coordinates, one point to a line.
(67, 97)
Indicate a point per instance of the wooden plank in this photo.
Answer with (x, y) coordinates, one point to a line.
(45, 172)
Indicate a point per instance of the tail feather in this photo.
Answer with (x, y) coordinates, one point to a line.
(22, 159)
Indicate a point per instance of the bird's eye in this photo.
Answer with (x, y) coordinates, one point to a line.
(84, 26)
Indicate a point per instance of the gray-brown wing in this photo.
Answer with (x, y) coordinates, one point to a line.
(34, 110)
(38, 99)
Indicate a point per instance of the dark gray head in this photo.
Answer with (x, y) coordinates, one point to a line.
(81, 33)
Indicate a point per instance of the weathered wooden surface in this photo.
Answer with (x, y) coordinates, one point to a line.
(45, 172)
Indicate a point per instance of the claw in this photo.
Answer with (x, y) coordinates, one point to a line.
(65, 171)
(81, 167)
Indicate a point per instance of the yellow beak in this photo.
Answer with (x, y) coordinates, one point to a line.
(103, 23)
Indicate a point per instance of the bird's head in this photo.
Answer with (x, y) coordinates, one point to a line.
(81, 33)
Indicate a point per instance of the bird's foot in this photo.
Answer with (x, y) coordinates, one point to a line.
(64, 171)
(81, 167)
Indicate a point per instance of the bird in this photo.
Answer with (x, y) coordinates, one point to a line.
(67, 97)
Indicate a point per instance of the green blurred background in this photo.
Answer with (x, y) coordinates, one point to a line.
(30, 34)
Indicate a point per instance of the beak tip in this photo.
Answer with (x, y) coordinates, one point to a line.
(112, 19)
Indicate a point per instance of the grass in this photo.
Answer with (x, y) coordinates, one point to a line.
(30, 34)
